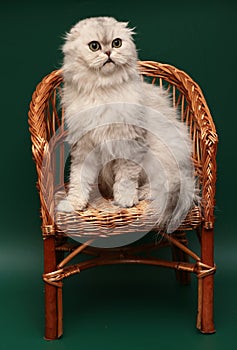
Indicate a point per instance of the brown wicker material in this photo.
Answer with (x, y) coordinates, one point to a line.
(102, 220)
(46, 121)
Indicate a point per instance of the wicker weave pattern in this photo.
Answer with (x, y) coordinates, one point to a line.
(41, 126)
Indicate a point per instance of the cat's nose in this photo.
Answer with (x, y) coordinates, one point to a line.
(108, 53)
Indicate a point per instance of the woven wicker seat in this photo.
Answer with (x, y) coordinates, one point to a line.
(46, 121)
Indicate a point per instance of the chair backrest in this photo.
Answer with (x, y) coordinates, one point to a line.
(47, 127)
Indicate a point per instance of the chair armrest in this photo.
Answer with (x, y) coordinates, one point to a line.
(37, 119)
(40, 137)
(208, 138)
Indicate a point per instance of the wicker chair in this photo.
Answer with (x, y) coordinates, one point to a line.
(46, 121)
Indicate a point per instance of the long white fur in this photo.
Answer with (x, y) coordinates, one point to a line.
(122, 127)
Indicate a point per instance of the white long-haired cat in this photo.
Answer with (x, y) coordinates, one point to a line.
(121, 129)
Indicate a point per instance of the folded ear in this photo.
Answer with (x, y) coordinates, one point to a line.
(69, 39)
(126, 25)
(73, 33)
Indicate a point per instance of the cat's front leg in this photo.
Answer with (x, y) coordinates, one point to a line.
(125, 187)
(78, 193)
(83, 173)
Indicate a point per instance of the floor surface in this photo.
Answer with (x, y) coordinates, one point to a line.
(115, 307)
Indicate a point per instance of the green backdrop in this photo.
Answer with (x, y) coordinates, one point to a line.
(118, 306)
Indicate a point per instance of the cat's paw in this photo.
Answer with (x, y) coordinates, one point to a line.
(125, 193)
(126, 201)
(69, 206)
(65, 206)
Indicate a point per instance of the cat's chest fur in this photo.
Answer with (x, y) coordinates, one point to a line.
(88, 110)
(87, 97)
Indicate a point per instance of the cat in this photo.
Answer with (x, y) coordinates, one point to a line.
(122, 130)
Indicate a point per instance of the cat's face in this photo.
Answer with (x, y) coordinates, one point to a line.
(101, 45)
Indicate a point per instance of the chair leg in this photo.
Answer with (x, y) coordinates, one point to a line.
(53, 295)
(178, 255)
(207, 283)
(51, 323)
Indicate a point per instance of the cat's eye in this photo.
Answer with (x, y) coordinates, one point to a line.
(94, 46)
(117, 43)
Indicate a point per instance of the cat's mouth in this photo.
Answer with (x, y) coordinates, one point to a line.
(108, 61)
